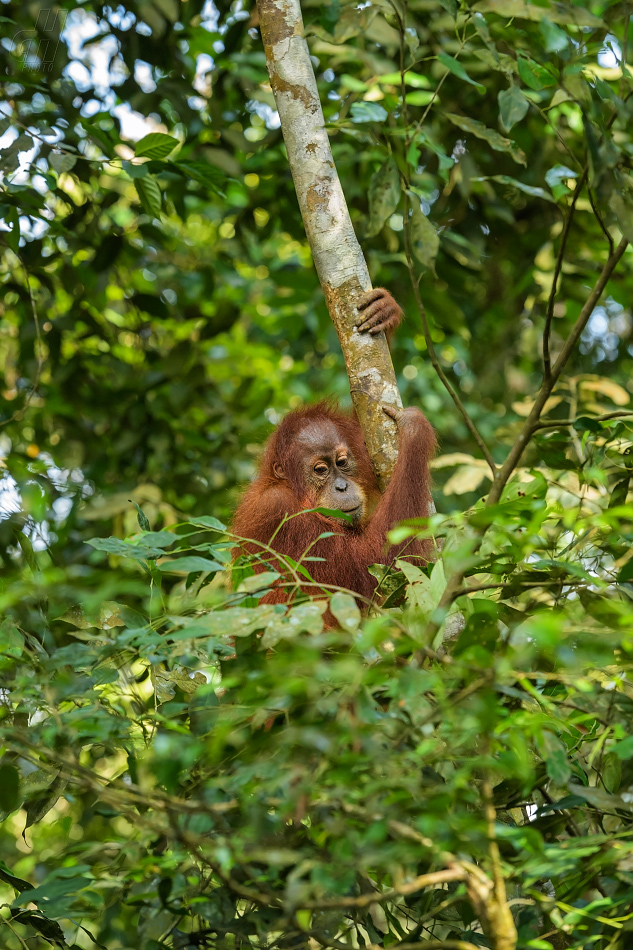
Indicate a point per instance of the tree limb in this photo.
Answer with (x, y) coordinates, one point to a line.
(337, 254)
(531, 423)
(562, 423)
(547, 367)
(433, 879)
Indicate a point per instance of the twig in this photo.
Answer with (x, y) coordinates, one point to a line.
(19, 413)
(433, 879)
(494, 914)
(563, 423)
(598, 218)
(112, 790)
(429, 945)
(431, 349)
(326, 941)
(526, 585)
(559, 263)
(529, 426)
(625, 46)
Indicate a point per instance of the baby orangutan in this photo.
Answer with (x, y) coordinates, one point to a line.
(317, 458)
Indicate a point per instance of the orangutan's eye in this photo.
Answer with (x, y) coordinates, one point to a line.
(321, 468)
(342, 462)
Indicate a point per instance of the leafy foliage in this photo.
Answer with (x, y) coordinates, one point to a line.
(182, 765)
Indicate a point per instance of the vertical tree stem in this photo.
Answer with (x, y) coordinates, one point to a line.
(337, 254)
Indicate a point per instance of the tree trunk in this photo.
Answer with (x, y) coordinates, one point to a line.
(337, 254)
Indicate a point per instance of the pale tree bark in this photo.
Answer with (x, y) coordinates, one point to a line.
(335, 249)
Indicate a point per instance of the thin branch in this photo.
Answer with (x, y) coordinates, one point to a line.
(436, 91)
(563, 423)
(559, 263)
(600, 221)
(39, 356)
(529, 427)
(625, 46)
(472, 428)
(326, 941)
(429, 945)
(526, 585)
(556, 132)
(111, 790)
(433, 879)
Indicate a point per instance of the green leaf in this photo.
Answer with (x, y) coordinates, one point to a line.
(203, 172)
(425, 240)
(496, 141)
(603, 800)
(555, 40)
(556, 177)
(208, 521)
(11, 640)
(155, 145)
(624, 748)
(513, 106)
(534, 75)
(10, 156)
(304, 618)
(108, 616)
(12, 237)
(221, 554)
(143, 523)
(62, 162)
(240, 621)
(346, 611)
(384, 195)
(136, 171)
(410, 78)
(622, 206)
(357, 85)
(451, 6)
(611, 771)
(555, 754)
(121, 548)
(149, 195)
(330, 15)
(556, 12)
(258, 581)
(368, 112)
(9, 878)
(9, 788)
(40, 806)
(189, 564)
(329, 513)
(558, 173)
(520, 186)
(421, 97)
(155, 539)
(458, 70)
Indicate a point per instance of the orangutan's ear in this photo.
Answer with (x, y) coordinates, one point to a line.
(278, 470)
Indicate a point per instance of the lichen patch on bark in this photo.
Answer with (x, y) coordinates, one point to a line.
(317, 197)
(294, 89)
(276, 22)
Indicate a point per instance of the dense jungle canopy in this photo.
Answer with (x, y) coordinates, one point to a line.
(181, 766)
